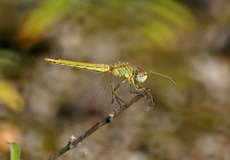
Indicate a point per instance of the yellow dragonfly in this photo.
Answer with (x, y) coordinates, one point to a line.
(135, 76)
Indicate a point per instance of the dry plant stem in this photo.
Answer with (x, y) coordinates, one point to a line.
(73, 142)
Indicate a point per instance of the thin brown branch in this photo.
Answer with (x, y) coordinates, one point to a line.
(73, 142)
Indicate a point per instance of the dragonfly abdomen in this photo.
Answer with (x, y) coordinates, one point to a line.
(123, 70)
(80, 65)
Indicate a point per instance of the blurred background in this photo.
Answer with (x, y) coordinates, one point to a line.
(42, 105)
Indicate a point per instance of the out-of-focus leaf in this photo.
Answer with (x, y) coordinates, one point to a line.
(42, 18)
(15, 151)
(159, 20)
(162, 35)
(169, 17)
(174, 13)
(10, 96)
(8, 58)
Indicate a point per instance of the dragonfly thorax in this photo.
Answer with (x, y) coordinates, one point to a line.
(140, 75)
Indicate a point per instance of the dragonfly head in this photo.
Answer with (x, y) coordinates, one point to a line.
(140, 75)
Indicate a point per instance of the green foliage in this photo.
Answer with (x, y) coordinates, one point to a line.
(167, 18)
(158, 21)
(42, 18)
(9, 61)
(10, 96)
(15, 151)
(155, 19)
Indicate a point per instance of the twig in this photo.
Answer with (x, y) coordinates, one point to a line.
(73, 142)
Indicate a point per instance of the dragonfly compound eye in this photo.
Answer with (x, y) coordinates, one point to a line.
(141, 75)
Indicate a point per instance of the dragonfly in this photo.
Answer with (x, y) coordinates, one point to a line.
(135, 76)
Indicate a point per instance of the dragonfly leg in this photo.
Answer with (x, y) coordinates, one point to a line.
(146, 92)
(115, 89)
(119, 100)
(149, 97)
(121, 103)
